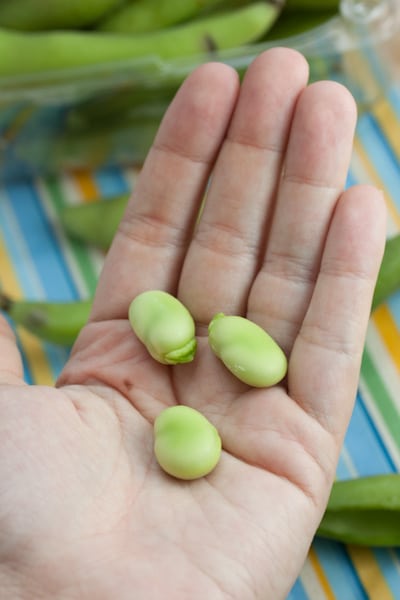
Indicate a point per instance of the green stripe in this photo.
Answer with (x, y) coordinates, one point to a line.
(78, 251)
(381, 396)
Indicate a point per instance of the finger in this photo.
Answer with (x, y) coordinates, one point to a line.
(225, 251)
(325, 362)
(149, 246)
(315, 170)
(11, 370)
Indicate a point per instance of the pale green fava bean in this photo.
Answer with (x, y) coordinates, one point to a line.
(186, 445)
(164, 325)
(247, 350)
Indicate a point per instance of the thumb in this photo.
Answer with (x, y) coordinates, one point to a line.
(11, 370)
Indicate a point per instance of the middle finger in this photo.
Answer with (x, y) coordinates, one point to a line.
(224, 253)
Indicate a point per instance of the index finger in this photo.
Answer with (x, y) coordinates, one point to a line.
(149, 247)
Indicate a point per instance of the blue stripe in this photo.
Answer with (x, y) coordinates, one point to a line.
(381, 155)
(386, 562)
(14, 243)
(394, 305)
(24, 264)
(111, 182)
(339, 570)
(351, 179)
(57, 356)
(365, 445)
(393, 97)
(297, 592)
(51, 267)
(342, 469)
(26, 370)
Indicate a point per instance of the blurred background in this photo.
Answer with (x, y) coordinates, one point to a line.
(83, 88)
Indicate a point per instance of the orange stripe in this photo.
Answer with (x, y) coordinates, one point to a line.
(389, 332)
(86, 185)
(323, 581)
(369, 573)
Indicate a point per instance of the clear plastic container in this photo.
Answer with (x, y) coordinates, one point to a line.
(107, 115)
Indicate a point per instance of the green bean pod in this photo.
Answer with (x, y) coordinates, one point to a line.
(96, 222)
(187, 445)
(293, 23)
(247, 350)
(388, 280)
(56, 322)
(40, 52)
(164, 325)
(148, 15)
(311, 5)
(364, 511)
(34, 15)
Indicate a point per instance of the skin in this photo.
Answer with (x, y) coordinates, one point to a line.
(85, 511)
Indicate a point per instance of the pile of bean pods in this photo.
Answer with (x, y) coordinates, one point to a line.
(38, 37)
(111, 68)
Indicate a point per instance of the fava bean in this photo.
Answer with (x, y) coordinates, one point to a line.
(247, 350)
(164, 325)
(187, 445)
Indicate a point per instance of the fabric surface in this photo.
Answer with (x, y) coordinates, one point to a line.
(37, 261)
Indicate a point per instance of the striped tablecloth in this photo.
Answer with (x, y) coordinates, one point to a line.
(38, 262)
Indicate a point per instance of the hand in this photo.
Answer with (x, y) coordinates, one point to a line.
(85, 511)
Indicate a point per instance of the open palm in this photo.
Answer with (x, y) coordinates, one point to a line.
(85, 511)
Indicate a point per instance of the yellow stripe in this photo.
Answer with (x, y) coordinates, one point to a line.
(17, 123)
(369, 573)
(388, 331)
(365, 86)
(377, 181)
(322, 579)
(389, 123)
(86, 185)
(33, 349)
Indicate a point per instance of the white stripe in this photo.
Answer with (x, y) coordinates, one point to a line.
(348, 461)
(131, 175)
(96, 258)
(311, 583)
(384, 364)
(389, 375)
(69, 189)
(380, 424)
